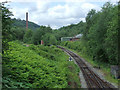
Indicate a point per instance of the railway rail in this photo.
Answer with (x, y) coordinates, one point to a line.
(91, 78)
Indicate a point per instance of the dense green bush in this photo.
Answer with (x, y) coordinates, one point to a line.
(28, 68)
(35, 67)
(51, 52)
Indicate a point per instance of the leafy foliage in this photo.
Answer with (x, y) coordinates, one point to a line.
(69, 31)
(97, 41)
(6, 25)
(28, 36)
(100, 35)
(34, 67)
(17, 33)
(39, 33)
(49, 39)
(22, 24)
(43, 66)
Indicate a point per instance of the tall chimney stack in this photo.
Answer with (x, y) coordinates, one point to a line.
(26, 20)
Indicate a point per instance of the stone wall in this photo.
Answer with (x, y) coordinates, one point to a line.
(115, 71)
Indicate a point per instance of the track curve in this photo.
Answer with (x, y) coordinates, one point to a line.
(91, 78)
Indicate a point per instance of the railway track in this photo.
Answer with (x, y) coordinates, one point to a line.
(91, 78)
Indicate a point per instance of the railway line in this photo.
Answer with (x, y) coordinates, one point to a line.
(91, 78)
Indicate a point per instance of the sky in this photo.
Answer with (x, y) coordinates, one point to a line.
(55, 13)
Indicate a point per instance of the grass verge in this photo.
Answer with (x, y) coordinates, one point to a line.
(104, 67)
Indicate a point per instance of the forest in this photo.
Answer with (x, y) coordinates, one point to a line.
(99, 41)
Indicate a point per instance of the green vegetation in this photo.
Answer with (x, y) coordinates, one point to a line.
(99, 44)
(33, 66)
(42, 66)
(104, 67)
(22, 24)
(37, 67)
(6, 25)
(69, 31)
(100, 35)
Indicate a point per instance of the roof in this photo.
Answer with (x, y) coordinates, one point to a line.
(78, 36)
(66, 37)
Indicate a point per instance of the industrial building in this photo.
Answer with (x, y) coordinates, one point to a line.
(77, 37)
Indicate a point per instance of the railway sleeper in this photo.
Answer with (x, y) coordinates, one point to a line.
(93, 80)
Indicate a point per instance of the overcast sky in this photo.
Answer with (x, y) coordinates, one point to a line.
(56, 13)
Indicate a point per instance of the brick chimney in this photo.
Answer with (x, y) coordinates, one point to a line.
(26, 20)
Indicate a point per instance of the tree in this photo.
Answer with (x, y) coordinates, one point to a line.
(49, 39)
(89, 22)
(6, 25)
(36, 38)
(17, 33)
(28, 36)
(111, 40)
(37, 35)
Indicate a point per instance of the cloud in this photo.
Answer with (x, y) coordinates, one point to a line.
(58, 15)
(66, 11)
(42, 6)
(62, 13)
(19, 13)
(61, 0)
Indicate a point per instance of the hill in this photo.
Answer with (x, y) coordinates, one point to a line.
(69, 31)
(22, 23)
